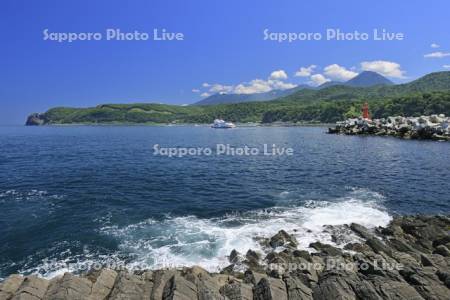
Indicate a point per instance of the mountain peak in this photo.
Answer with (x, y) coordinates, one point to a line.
(368, 78)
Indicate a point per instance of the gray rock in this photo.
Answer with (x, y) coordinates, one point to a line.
(378, 246)
(361, 231)
(282, 238)
(303, 254)
(10, 286)
(442, 250)
(234, 257)
(160, 279)
(427, 283)
(252, 255)
(326, 249)
(32, 288)
(235, 290)
(296, 289)
(207, 285)
(444, 277)
(70, 287)
(270, 289)
(401, 245)
(357, 247)
(442, 241)
(334, 285)
(129, 286)
(393, 290)
(103, 285)
(426, 261)
(178, 288)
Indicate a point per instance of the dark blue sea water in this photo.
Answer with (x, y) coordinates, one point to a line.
(74, 196)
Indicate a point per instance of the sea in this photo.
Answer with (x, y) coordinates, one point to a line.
(74, 197)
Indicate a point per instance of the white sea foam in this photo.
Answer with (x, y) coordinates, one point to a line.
(207, 242)
(188, 240)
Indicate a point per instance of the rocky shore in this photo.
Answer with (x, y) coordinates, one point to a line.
(434, 127)
(409, 259)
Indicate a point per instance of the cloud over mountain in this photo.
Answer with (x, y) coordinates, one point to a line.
(318, 79)
(385, 68)
(305, 71)
(278, 75)
(337, 72)
(275, 81)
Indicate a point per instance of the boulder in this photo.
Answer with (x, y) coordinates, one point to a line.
(207, 286)
(361, 231)
(131, 287)
(296, 289)
(442, 250)
(178, 288)
(10, 286)
(282, 238)
(70, 287)
(33, 288)
(335, 285)
(234, 257)
(326, 249)
(378, 246)
(237, 290)
(103, 285)
(270, 289)
(303, 254)
(427, 283)
(160, 278)
(388, 288)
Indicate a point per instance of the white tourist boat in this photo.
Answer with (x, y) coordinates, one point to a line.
(221, 124)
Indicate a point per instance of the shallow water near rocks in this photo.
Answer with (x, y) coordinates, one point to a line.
(74, 196)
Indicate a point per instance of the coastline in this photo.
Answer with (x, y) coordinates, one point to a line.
(408, 259)
(433, 127)
(239, 125)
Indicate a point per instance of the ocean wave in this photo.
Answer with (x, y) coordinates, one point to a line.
(189, 240)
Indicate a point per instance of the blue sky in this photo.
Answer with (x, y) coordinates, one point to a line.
(223, 46)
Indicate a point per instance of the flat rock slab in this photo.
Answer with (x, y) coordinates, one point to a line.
(32, 288)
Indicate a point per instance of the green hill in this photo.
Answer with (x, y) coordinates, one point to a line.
(427, 95)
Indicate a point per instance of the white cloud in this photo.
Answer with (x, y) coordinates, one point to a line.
(318, 79)
(262, 86)
(434, 45)
(446, 66)
(219, 88)
(273, 82)
(279, 75)
(254, 86)
(281, 85)
(305, 71)
(338, 72)
(385, 68)
(438, 54)
(195, 90)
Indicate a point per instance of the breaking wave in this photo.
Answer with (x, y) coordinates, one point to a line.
(188, 240)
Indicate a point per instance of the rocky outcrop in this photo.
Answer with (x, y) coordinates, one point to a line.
(434, 127)
(409, 259)
(36, 119)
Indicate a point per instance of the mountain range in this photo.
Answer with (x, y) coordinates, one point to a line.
(364, 79)
(427, 95)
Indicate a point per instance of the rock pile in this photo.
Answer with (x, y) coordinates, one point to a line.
(409, 259)
(36, 119)
(434, 127)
